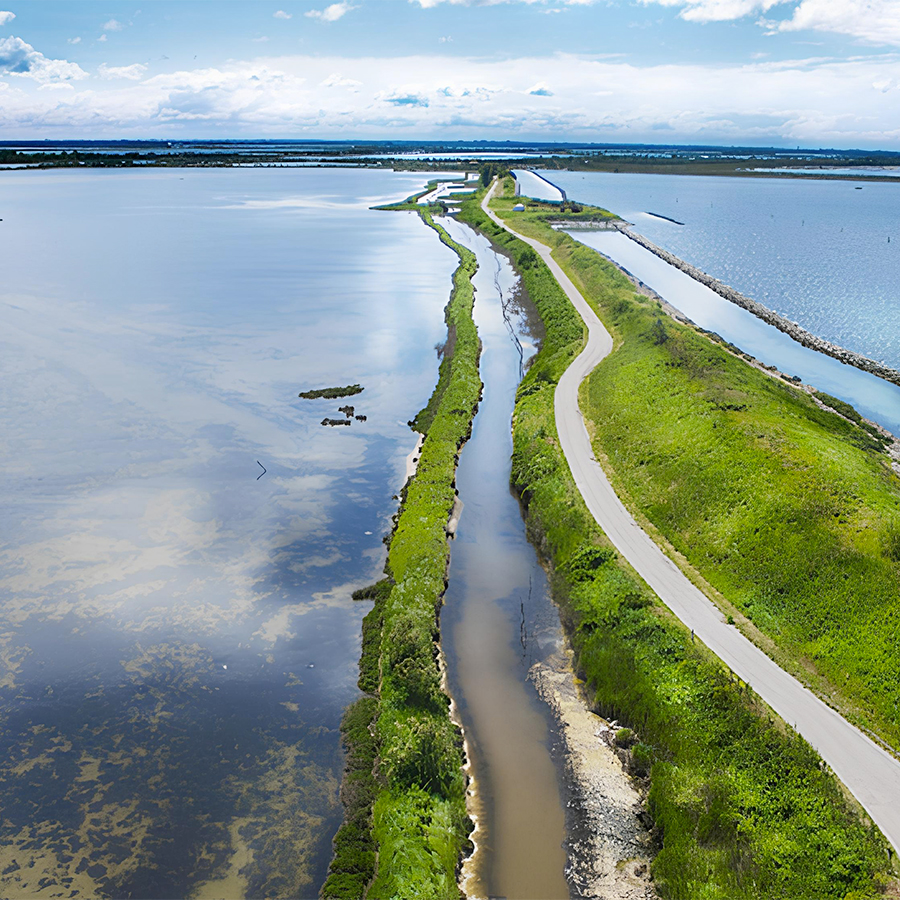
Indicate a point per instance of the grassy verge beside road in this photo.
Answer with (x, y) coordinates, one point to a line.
(742, 807)
(406, 823)
(790, 512)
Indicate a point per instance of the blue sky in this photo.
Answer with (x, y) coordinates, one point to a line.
(784, 72)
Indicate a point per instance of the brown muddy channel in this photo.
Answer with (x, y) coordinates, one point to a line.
(498, 621)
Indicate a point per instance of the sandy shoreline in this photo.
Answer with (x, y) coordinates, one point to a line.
(608, 847)
(412, 459)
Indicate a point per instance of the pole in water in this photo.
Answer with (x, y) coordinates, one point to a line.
(263, 470)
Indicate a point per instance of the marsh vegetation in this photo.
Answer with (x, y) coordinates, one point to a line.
(742, 807)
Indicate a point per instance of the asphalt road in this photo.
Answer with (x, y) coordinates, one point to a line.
(870, 773)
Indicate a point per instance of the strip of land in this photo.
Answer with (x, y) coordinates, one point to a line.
(406, 825)
(741, 807)
(871, 774)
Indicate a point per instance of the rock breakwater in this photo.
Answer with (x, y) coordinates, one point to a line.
(791, 329)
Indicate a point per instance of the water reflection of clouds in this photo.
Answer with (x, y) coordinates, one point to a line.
(337, 597)
(307, 201)
(138, 541)
(151, 361)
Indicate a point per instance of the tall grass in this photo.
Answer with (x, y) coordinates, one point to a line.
(742, 807)
(403, 748)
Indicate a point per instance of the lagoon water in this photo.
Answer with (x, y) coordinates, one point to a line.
(816, 251)
(724, 213)
(177, 638)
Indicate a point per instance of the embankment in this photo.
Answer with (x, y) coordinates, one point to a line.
(792, 329)
(741, 806)
(406, 824)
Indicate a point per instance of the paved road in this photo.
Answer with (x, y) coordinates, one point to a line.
(870, 773)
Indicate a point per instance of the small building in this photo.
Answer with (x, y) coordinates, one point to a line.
(519, 207)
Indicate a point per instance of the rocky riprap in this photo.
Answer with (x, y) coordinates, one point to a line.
(792, 329)
(609, 847)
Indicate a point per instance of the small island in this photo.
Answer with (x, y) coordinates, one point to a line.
(331, 393)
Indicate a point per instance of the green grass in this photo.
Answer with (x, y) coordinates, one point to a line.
(791, 512)
(415, 812)
(786, 509)
(331, 393)
(743, 808)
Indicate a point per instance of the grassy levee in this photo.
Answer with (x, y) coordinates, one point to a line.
(406, 823)
(742, 806)
(791, 512)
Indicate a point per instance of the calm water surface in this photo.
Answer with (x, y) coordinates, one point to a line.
(498, 621)
(724, 236)
(815, 251)
(177, 639)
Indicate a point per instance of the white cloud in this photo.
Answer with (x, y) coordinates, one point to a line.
(331, 13)
(821, 102)
(873, 21)
(6, 16)
(260, 40)
(113, 25)
(281, 14)
(336, 80)
(102, 38)
(74, 40)
(540, 90)
(717, 10)
(134, 72)
(19, 58)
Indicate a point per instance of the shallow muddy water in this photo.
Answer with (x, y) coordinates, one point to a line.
(177, 638)
(497, 621)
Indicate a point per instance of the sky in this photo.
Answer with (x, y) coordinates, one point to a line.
(811, 73)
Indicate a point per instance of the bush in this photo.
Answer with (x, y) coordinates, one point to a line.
(642, 757)
(584, 563)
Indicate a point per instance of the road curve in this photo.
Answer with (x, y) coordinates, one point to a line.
(870, 773)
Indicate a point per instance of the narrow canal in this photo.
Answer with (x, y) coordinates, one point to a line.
(498, 620)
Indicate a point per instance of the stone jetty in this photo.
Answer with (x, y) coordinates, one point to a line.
(792, 329)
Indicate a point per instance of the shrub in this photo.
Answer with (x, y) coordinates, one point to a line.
(584, 563)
